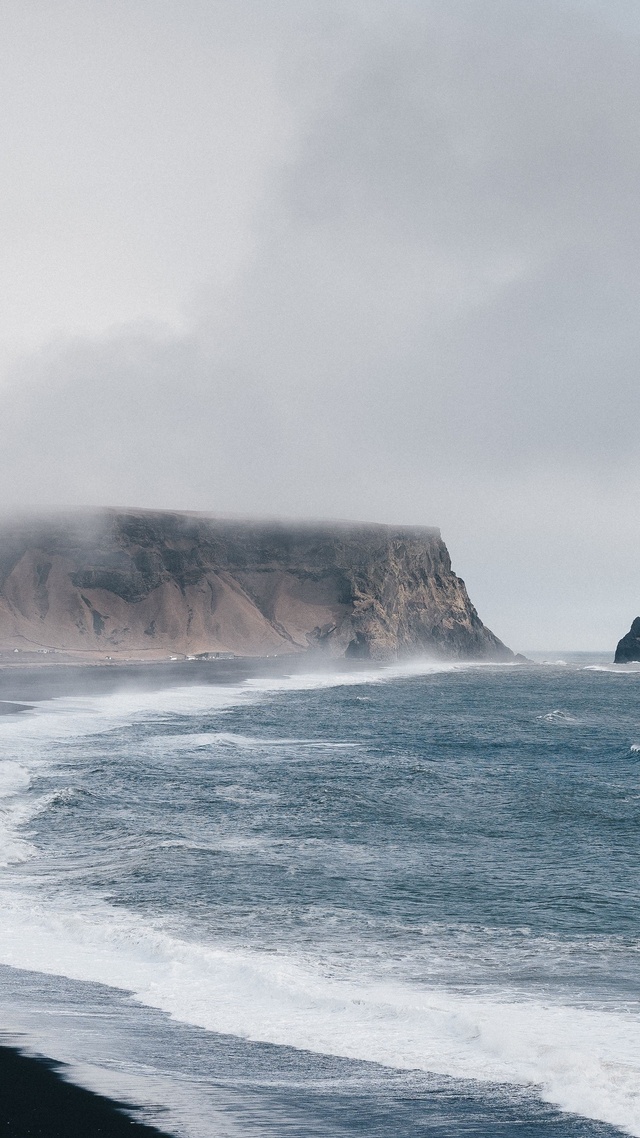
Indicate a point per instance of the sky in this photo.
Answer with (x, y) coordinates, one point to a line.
(361, 259)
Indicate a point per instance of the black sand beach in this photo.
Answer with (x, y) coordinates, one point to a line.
(36, 1102)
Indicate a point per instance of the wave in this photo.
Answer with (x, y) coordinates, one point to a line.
(230, 739)
(613, 669)
(15, 812)
(31, 739)
(557, 716)
(30, 736)
(71, 717)
(583, 1059)
(18, 807)
(381, 674)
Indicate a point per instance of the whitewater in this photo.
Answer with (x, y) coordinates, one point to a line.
(392, 900)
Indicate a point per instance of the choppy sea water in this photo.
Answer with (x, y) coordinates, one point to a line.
(392, 902)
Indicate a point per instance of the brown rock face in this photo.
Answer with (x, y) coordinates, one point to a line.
(145, 584)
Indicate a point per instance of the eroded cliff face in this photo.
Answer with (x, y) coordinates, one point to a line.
(145, 584)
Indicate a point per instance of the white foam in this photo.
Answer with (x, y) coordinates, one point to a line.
(18, 807)
(15, 811)
(613, 669)
(557, 716)
(585, 1060)
(421, 666)
(13, 779)
(199, 740)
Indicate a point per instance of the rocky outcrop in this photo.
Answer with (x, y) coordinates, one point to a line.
(628, 649)
(147, 584)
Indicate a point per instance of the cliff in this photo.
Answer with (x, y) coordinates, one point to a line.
(628, 649)
(146, 584)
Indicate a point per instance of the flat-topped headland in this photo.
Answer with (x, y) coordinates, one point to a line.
(138, 584)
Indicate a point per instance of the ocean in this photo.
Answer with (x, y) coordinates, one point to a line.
(396, 902)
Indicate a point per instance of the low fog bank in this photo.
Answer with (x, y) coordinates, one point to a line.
(420, 309)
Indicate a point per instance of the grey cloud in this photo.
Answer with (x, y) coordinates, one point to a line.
(433, 315)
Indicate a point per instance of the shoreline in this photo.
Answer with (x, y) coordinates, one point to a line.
(11, 707)
(38, 1102)
(23, 682)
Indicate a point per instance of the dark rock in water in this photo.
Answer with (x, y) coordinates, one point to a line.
(628, 649)
(145, 584)
(358, 648)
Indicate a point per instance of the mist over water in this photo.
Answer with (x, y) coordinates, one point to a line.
(391, 901)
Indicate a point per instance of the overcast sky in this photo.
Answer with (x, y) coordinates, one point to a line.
(369, 259)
